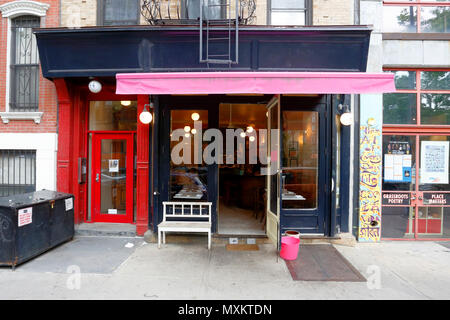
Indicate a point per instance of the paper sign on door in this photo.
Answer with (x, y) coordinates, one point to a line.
(114, 165)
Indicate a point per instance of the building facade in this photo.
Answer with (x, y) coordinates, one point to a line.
(120, 169)
(411, 39)
(28, 126)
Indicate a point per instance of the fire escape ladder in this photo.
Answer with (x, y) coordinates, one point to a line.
(216, 46)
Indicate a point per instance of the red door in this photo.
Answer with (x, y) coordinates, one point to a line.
(112, 177)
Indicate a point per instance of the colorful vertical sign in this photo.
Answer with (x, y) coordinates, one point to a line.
(370, 161)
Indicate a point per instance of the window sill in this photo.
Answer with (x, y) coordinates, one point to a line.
(416, 36)
(35, 116)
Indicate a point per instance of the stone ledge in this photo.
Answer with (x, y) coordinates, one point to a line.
(35, 116)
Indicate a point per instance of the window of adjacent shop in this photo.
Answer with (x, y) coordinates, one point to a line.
(24, 94)
(422, 98)
(289, 12)
(416, 140)
(426, 16)
(118, 12)
(416, 186)
(17, 172)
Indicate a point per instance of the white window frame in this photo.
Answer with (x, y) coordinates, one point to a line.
(307, 10)
(10, 11)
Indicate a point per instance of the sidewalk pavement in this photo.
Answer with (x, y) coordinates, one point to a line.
(129, 268)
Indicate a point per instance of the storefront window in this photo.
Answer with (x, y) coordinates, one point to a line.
(397, 222)
(423, 91)
(188, 179)
(399, 17)
(399, 163)
(113, 115)
(435, 108)
(416, 206)
(433, 222)
(434, 80)
(434, 163)
(435, 19)
(399, 108)
(300, 142)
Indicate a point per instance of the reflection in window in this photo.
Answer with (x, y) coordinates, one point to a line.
(399, 108)
(399, 19)
(435, 108)
(405, 79)
(188, 180)
(435, 19)
(300, 159)
(435, 80)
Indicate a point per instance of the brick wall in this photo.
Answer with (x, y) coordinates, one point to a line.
(333, 12)
(325, 12)
(82, 13)
(47, 93)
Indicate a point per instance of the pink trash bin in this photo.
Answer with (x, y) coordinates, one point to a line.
(289, 248)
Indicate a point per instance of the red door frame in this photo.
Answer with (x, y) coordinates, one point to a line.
(73, 142)
(97, 216)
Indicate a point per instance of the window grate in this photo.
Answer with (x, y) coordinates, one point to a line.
(17, 172)
(24, 65)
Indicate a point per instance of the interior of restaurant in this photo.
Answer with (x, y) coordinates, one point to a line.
(240, 186)
(242, 195)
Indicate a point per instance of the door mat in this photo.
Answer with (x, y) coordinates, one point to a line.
(242, 247)
(322, 262)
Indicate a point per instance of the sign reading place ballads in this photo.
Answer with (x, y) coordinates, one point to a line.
(396, 198)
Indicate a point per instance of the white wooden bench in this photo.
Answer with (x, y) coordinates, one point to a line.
(196, 217)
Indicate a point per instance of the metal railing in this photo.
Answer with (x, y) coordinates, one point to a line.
(187, 12)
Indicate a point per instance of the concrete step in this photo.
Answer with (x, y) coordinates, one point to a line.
(106, 229)
(240, 239)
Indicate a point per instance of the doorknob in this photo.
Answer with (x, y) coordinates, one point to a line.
(97, 177)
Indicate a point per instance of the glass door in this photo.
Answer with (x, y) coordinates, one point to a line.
(416, 186)
(302, 202)
(112, 177)
(273, 171)
(433, 194)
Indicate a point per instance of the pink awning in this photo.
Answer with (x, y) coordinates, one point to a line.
(254, 82)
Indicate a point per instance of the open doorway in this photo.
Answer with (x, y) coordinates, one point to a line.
(242, 188)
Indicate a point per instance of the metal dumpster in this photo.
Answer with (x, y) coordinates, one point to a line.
(33, 223)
